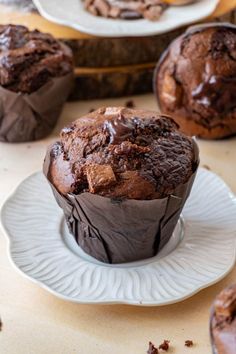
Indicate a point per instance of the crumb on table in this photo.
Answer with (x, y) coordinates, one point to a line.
(165, 345)
(188, 343)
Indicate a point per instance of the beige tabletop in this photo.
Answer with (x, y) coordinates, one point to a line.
(36, 322)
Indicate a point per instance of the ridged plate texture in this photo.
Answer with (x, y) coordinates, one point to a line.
(200, 253)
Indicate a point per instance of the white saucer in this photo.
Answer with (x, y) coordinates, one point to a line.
(71, 13)
(200, 253)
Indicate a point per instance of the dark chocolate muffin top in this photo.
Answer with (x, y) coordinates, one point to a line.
(196, 77)
(28, 59)
(122, 153)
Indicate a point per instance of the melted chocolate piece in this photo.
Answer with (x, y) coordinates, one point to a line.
(120, 129)
(217, 92)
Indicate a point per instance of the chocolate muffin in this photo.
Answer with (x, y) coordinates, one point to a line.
(195, 81)
(223, 322)
(36, 73)
(130, 171)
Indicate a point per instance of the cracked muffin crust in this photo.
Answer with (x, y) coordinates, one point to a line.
(118, 152)
(195, 81)
(28, 59)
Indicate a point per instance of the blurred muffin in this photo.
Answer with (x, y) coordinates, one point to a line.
(195, 81)
(36, 73)
(223, 322)
(133, 169)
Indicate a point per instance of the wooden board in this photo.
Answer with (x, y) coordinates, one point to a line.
(93, 83)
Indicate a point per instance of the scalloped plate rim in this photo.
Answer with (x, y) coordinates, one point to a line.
(112, 301)
(94, 31)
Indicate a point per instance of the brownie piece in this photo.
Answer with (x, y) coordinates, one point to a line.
(29, 59)
(195, 81)
(119, 152)
(223, 322)
(126, 9)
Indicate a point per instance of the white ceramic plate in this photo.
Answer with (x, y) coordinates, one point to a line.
(71, 13)
(200, 253)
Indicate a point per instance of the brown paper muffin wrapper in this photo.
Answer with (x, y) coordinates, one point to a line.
(28, 117)
(118, 231)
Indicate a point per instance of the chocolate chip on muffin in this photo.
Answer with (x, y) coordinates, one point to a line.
(195, 81)
(223, 321)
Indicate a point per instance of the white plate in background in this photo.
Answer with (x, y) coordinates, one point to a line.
(72, 13)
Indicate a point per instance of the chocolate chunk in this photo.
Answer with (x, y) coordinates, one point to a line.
(129, 104)
(188, 343)
(165, 345)
(153, 13)
(102, 7)
(119, 129)
(152, 349)
(99, 177)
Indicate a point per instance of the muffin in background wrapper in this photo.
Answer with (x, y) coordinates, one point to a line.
(223, 322)
(195, 81)
(101, 173)
(36, 77)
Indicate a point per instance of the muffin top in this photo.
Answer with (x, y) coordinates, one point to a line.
(118, 152)
(28, 59)
(196, 77)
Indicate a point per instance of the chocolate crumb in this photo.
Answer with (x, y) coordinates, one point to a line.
(129, 104)
(188, 343)
(0, 325)
(165, 345)
(152, 349)
(206, 167)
